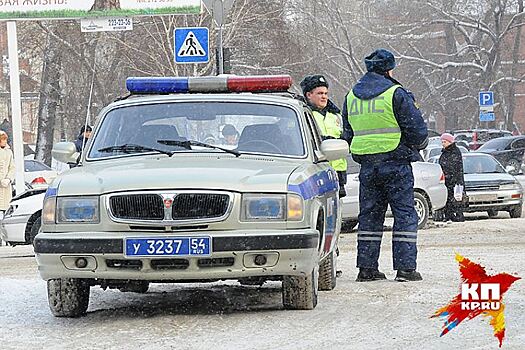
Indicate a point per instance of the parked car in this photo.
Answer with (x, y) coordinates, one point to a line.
(509, 151)
(152, 202)
(37, 174)
(489, 187)
(21, 221)
(433, 150)
(430, 192)
(477, 137)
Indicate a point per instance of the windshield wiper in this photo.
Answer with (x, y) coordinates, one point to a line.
(188, 143)
(133, 148)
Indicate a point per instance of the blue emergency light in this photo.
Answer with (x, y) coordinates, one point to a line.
(166, 85)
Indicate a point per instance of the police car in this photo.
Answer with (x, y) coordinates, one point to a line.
(161, 196)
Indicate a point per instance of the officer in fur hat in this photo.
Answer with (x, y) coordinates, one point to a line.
(385, 129)
(328, 118)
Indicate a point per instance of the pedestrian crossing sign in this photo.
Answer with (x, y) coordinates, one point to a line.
(192, 45)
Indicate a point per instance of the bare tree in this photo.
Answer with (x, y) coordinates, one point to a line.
(105, 5)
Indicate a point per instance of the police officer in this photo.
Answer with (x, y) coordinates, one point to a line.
(327, 117)
(385, 129)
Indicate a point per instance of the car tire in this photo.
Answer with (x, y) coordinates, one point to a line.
(135, 287)
(422, 209)
(348, 225)
(34, 230)
(515, 212)
(328, 272)
(492, 213)
(68, 297)
(300, 292)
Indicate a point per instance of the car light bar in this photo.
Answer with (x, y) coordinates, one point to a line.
(166, 85)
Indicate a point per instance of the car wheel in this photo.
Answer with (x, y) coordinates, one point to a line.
(516, 164)
(515, 212)
(34, 230)
(348, 225)
(135, 287)
(492, 213)
(422, 209)
(300, 292)
(327, 272)
(68, 297)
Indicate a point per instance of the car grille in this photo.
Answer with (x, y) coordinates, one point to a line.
(137, 207)
(482, 186)
(199, 205)
(185, 206)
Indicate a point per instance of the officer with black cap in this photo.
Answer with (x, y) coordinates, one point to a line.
(385, 129)
(328, 118)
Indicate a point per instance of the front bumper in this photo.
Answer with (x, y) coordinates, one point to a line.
(13, 228)
(494, 200)
(292, 252)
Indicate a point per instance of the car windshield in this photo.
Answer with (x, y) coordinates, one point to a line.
(495, 145)
(237, 126)
(481, 165)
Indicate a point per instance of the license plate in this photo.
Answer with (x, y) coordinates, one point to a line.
(171, 246)
(484, 198)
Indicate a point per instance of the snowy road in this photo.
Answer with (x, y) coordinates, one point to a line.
(375, 315)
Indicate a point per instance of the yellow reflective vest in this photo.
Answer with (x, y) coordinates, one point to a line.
(331, 124)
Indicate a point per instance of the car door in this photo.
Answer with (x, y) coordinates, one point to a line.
(329, 202)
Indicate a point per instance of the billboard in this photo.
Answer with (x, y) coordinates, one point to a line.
(60, 9)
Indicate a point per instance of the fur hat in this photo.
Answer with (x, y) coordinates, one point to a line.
(311, 82)
(380, 61)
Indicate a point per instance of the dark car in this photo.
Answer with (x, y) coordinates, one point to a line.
(508, 151)
(475, 138)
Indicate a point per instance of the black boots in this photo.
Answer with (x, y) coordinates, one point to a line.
(366, 275)
(408, 276)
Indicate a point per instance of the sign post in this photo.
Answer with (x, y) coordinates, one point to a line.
(16, 107)
(219, 9)
(486, 106)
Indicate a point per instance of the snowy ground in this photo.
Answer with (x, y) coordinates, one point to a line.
(375, 315)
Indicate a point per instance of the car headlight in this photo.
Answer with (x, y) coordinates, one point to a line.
(77, 209)
(511, 186)
(259, 207)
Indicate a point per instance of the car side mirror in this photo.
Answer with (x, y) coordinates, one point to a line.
(334, 149)
(65, 152)
(510, 169)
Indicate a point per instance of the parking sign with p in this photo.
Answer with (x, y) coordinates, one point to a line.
(486, 98)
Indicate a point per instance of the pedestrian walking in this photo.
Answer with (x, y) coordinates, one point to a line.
(385, 129)
(327, 117)
(7, 172)
(451, 162)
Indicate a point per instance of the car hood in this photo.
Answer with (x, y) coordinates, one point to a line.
(218, 172)
(493, 178)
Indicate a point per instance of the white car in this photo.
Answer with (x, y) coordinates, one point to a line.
(21, 220)
(430, 193)
(37, 174)
(435, 150)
